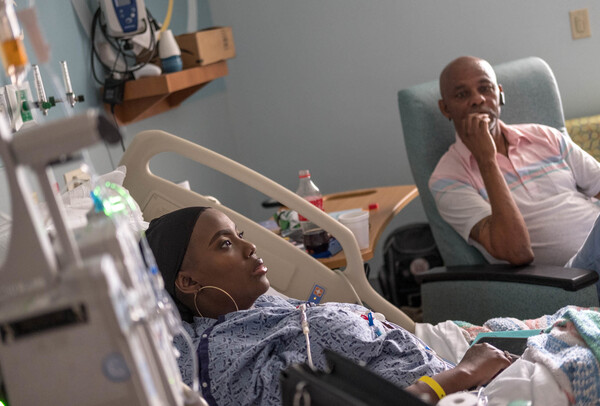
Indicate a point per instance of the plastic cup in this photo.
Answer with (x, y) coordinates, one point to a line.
(358, 223)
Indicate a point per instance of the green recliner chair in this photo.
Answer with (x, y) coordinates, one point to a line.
(468, 288)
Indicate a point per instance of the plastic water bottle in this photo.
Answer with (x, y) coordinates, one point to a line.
(315, 239)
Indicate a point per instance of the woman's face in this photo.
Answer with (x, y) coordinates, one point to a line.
(221, 257)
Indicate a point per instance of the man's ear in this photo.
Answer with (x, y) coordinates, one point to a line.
(443, 109)
(186, 284)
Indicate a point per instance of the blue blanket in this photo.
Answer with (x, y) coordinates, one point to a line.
(570, 351)
(242, 354)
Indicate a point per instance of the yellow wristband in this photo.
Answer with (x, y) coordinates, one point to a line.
(437, 388)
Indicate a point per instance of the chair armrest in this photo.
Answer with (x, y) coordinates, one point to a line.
(571, 279)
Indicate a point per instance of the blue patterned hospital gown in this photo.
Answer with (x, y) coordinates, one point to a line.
(242, 354)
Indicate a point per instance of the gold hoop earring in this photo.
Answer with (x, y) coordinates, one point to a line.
(217, 288)
(196, 304)
(221, 290)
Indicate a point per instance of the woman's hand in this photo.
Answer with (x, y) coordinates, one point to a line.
(482, 362)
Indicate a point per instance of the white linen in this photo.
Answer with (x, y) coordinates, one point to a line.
(525, 380)
(446, 339)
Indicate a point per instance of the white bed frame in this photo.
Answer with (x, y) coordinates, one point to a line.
(291, 271)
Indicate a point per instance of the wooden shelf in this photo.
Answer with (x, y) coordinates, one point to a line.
(149, 96)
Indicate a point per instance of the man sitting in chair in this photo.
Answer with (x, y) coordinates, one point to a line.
(519, 193)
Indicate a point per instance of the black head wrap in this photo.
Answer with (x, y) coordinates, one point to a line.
(168, 237)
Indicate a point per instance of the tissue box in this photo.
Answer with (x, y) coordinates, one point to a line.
(206, 46)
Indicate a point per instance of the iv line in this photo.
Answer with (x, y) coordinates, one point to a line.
(305, 330)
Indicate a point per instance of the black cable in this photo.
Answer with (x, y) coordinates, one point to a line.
(157, 26)
(109, 40)
(93, 43)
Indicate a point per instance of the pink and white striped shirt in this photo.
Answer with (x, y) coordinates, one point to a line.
(550, 178)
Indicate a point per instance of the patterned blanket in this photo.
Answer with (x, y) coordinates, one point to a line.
(569, 347)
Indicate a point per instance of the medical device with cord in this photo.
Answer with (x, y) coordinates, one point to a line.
(83, 316)
(124, 18)
(128, 40)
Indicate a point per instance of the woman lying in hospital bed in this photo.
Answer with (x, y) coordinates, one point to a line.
(244, 339)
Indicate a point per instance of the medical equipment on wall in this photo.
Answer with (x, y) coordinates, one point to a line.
(83, 315)
(16, 100)
(122, 37)
(43, 102)
(124, 18)
(70, 95)
(11, 105)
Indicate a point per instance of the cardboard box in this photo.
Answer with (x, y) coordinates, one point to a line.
(206, 46)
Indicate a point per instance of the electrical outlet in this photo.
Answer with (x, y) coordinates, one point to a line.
(580, 23)
(75, 178)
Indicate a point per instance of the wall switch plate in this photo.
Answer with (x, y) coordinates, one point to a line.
(75, 178)
(580, 23)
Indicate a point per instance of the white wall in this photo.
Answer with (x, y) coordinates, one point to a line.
(314, 83)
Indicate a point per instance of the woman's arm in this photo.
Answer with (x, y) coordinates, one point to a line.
(481, 363)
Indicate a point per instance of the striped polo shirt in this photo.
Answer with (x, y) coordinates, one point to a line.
(550, 178)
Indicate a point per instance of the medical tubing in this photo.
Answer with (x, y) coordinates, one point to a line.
(305, 330)
(170, 313)
(169, 310)
(195, 368)
(345, 278)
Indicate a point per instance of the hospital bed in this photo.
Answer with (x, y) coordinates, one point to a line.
(292, 272)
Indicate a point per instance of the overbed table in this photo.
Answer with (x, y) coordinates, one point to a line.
(391, 199)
